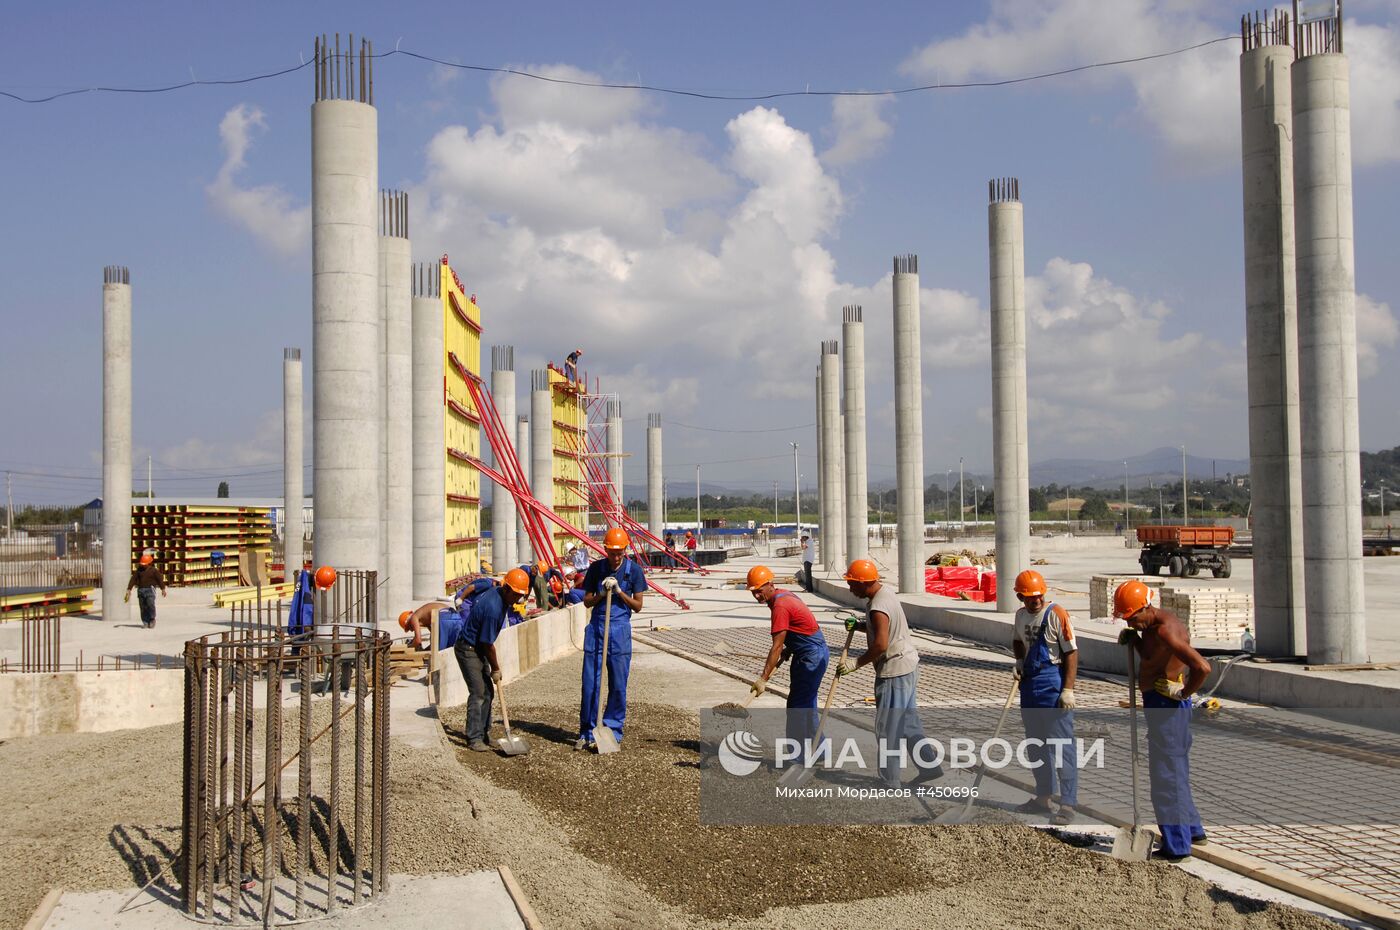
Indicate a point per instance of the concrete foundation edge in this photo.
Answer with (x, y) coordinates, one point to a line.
(89, 702)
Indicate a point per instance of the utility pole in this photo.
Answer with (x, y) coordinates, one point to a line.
(797, 491)
(1067, 526)
(1161, 507)
(1183, 485)
(977, 508)
(150, 492)
(948, 499)
(962, 505)
(10, 505)
(663, 504)
(775, 505)
(1127, 518)
(697, 505)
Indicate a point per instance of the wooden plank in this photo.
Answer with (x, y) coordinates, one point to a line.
(522, 903)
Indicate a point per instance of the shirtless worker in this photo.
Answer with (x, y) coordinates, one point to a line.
(1169, 672)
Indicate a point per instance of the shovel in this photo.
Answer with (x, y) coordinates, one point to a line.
(737, 711)
(1133, 843)
(509, 744)
(797, 776)
(964, 813)
(603, 739)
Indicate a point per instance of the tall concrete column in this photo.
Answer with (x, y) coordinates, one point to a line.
(908, 424)
(503, 546)
(395, 275)
(1271, 336)
(429, 436)
(523, 548)
(541, 442)
(1327, 380)
(345, 310)
(833, 533)
(1010, 439)
(857, 489)
(116, 441)
(656, 503)
(293, 441)
(613, 438)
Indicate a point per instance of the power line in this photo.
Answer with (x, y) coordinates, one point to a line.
(649, 88)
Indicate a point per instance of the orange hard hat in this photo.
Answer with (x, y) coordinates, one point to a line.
(146, 558)
(556, 585)
(759, 576)
(1030, 583)
(862, 570)
(403, 619)
(517, 581)
(325, 577)
(616, 538)
(541, 567)
(1131, 597)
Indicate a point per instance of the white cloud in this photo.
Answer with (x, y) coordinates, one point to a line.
(859, 128)
(265, 210)
(524, 101)
(1375, 326)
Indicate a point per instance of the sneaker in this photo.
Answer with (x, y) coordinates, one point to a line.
(478, 746)
(1201, 840)
(1164, 856)
(1064, 815)
(924, 775)
(582, 743)
(1033, 807)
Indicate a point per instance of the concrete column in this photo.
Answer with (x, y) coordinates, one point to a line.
(523, 548)
(541, 442)
(656, 503)
(833, 533)
(381, 385)
(613, 438)
(345, 314)
(1327, 380)
(396, 274)
(503, 545)
(429, 436)
(293, 441)
(908, 424)
(116, 441)
(818, 516)
(857, 490)
(1010, 440)
(1271, 339)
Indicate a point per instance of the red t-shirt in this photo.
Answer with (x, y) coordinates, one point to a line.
(690, 542)
(790, 613)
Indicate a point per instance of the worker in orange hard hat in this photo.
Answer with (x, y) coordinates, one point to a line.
(476, 652)
(1169, 672)
(145, 579)
(424, 620)
(625, 580)
(796, 636)
(890, 649)
(1047, 661)
(691, 545)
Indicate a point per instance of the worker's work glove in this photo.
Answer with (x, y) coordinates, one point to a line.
(1018, 669)
(842, 670)
(758, 687)
(1067, 699)
(126, 598)
(1128, 637)
(851, 624)
(496, 675)
(610, 583)
(1169, 689)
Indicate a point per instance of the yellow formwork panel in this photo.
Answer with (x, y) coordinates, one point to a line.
(570, 424)
(461, 320)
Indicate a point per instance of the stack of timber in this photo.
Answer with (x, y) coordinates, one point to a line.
(17, 602)
(1213, 615)
(1101, 588)
(406, 662)
(183, 537)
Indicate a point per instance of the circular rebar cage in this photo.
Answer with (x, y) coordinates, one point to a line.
(286, 773)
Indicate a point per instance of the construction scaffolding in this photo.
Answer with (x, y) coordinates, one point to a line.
(183, 539)
(461, 321)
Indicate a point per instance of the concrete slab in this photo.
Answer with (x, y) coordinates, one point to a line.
(478, 900)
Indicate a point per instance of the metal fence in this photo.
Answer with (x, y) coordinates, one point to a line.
(284, 850)
(54, 560)
(41, 638)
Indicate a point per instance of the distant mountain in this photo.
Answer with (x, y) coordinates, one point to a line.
(1159, 466)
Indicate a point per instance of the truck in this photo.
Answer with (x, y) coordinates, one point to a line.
(1185, 550)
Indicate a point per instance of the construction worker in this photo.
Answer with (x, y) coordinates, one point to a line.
(626, 581)
(1169, 672)
(421, 622)
(577, 558)
(145, 580)
(536, 573)
(476, 652)
(809, 555)
(1047, 661)
(796, 636)
(571, 365)
(891, 650)
(691, 544)
(672, 562)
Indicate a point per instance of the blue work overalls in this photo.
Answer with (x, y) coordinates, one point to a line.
(1041, 684)
(808, 657)
(619, 654)
(1169, 768)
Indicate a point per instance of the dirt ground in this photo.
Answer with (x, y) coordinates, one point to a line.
(94, 811)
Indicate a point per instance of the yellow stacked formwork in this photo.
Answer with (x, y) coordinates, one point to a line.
(461, 320)
(569, 434)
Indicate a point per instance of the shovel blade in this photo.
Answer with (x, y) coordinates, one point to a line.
(796, 777)
(955, 815)
(512, 745)
(605, 741)
(1132, 843)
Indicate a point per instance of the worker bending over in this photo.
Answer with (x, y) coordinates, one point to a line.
(627, 582)
(420, 623)
(476, 653)
(889, 648)
(1047, 660)
(145, 580)
(796, 636)
(1169, 672)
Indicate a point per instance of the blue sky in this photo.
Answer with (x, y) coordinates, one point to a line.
(698, 250)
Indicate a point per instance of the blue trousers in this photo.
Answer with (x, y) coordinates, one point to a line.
(896, 721)
(1169, 768)
(806, 676)
(146, 598)
(1045, 723)
(619, 665)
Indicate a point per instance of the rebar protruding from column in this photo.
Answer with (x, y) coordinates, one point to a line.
(347, 75)
(427, 279)
(393, 215)
(1322, 36)
(999, 190)
(1262, 28)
